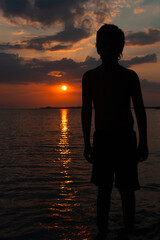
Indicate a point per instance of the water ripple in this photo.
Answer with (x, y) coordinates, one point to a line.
(45, 190)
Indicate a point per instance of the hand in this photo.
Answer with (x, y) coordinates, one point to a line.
(88, 154)
(142, 152)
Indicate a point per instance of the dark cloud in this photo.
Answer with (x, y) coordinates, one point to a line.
(150, 86)
(69, 35)
(42, 4)
(15, 70)
(148, 37)
(60, 47)
(15, 6)
(46, 12)
(150, 58)
(8, 46)
(74, 15)
(49, 12)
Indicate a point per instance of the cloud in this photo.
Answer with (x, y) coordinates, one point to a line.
(56, 74)
(51, 12)
(11, 67)
(150, 58)
(46, 12)
(16, 70)
(46, 43)
(18, 32)
(151, 92)
(148, 37)
(139, 10)
(60, 47)
(71, 35)
(101, 12)
(150, 86)
(68, 36)
(80, 18)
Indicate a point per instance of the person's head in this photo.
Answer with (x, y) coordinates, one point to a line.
(110, 42)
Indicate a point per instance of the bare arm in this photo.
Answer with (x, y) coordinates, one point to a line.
(86, 116)
(140, 116)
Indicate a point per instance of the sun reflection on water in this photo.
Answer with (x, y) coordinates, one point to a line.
(63, 208)
(64, 137)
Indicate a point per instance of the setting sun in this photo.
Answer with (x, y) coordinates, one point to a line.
(64, 87)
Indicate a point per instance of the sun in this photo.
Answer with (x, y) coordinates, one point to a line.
(64, 87)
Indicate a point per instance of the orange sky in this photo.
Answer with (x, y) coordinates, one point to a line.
(42, 48)
(35, 96)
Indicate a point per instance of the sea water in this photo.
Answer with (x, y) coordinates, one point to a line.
(45, 189)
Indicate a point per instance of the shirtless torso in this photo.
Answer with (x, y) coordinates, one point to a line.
(111, 88)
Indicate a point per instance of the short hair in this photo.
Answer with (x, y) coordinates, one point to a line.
(110, 32)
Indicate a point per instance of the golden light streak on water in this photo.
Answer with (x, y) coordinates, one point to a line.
(64, 137)
(67, 199)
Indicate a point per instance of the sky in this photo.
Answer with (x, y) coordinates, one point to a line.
(45, 44)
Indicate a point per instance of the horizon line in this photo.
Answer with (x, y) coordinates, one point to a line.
(63, 107)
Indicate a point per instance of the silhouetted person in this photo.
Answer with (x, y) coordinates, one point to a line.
(115, 155)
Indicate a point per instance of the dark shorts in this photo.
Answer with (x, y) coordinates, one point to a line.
(115, 160)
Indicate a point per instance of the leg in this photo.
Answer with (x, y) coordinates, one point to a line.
(128, 206)
(103, 206)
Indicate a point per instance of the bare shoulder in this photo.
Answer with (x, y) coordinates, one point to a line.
(91, 74)
(130, 75)
(129, 72)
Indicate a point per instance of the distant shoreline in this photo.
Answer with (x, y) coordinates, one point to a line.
(76, 107)
(81, 107)
(60, 107)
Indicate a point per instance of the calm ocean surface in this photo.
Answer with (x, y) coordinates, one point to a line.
(45, 189)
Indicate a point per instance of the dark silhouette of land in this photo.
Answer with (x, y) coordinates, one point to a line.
(76, 107)
(48, 107)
